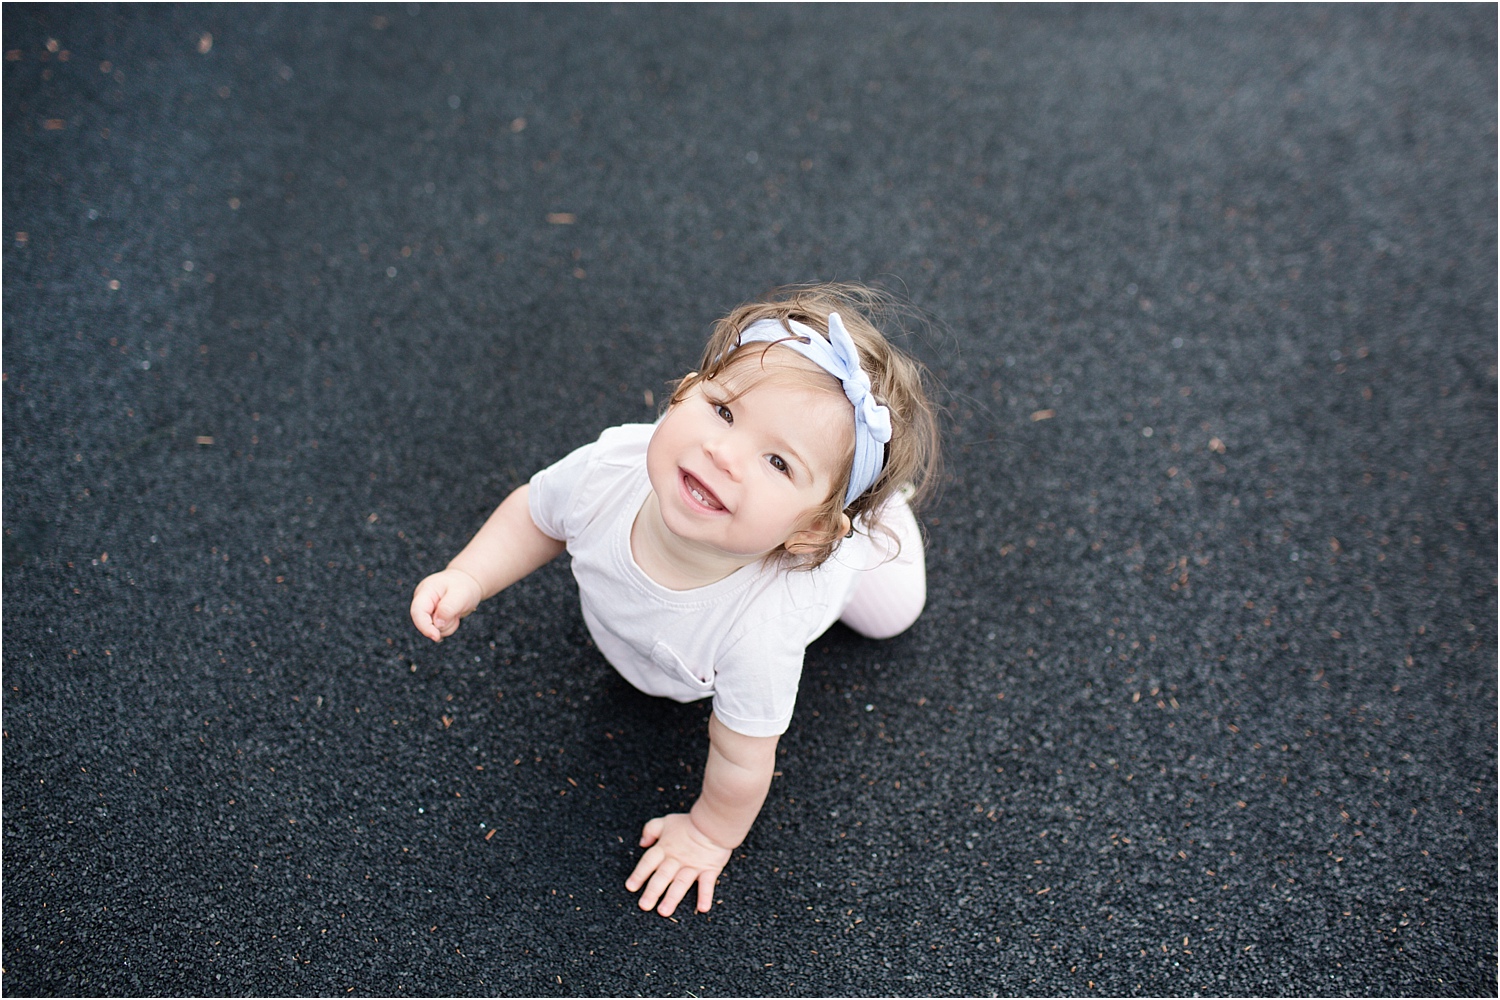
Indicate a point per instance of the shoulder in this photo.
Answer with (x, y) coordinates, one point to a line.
(587, 477)
(793, 607)
(623, 443)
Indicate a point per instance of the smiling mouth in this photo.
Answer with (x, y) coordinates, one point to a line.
(700, 493)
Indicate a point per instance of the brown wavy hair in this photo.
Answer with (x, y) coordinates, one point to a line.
(899, 381)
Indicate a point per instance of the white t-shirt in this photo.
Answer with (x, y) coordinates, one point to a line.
(740, 639)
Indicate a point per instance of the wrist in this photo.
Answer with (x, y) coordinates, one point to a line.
(478, 586)
(712, 829)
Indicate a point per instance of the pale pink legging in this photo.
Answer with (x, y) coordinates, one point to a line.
(889, 597)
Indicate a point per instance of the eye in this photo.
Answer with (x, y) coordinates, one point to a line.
(724, 413)
(779, 464)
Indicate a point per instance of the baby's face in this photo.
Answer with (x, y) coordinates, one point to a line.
(744, 476)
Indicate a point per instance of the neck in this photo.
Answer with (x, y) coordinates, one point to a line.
(671, 562)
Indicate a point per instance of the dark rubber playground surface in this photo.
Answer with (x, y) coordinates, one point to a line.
(1204, 700)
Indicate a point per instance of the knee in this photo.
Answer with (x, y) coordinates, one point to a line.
(889, 619)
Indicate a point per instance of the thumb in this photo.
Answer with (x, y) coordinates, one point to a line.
(449, 611)
(652, 831)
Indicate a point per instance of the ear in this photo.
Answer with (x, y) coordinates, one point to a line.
(819, 535)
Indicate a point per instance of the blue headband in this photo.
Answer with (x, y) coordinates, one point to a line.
(838, 356)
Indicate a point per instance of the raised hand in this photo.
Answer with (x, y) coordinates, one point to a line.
(442, 600)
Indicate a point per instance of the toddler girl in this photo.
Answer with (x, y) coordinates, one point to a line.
(771, 499)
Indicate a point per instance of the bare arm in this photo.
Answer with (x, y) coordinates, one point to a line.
(509, 547)
(684, 848)
(735, 782)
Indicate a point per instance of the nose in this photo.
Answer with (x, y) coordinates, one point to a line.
(724, 452)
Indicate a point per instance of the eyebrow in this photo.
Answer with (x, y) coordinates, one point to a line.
(786, 450)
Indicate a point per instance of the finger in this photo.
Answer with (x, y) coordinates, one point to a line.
(679, 887)
(658, 884)
(706, 883)
(643, 869)
(652, 830)
(448, 613)
(423, 602)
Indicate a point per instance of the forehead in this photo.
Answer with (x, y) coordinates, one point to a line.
(774, 364)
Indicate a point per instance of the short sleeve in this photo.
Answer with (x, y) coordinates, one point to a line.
(756, 679)
(552, 489)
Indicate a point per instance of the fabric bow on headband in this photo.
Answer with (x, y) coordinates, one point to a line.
(839, 357)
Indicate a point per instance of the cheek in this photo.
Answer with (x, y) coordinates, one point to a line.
(668, 430)
(659, 452)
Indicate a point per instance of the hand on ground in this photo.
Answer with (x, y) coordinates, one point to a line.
(678, 855)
